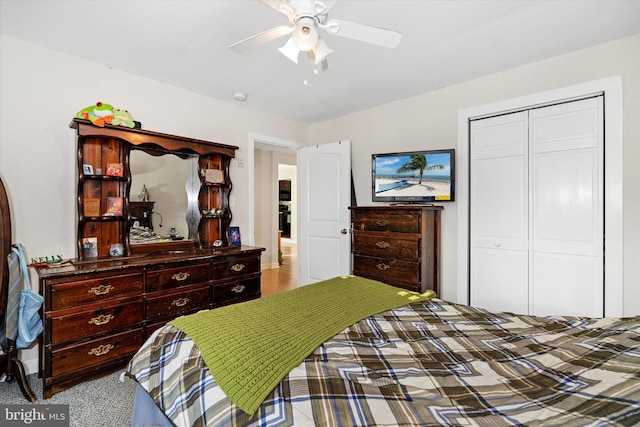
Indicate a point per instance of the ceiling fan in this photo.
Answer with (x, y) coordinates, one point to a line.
(306, 17)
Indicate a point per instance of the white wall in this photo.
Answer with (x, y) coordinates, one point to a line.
(429, 121)
(40, 92)
(265, 207)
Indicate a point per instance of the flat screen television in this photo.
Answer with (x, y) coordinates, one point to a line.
(420, 177)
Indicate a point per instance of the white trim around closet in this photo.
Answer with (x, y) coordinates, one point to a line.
(613, 111)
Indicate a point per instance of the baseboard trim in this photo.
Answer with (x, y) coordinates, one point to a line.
(269, 266)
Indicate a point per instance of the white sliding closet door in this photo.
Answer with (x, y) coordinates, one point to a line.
(567, 215)
(536, 210)
(499, 213)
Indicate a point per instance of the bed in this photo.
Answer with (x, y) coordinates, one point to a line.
(422, 362)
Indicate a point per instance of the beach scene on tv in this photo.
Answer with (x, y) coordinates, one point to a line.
(413, 175)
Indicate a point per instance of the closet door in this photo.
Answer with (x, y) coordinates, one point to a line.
(567, 214)
(537, 211)
(499, 213)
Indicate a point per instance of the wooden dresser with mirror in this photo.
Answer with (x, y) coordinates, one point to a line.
(99, 309)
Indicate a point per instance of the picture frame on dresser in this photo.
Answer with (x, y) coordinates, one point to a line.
(234, 236)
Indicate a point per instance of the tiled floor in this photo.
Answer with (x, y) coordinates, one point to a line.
(281, 279)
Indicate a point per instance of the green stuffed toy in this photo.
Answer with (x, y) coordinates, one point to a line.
(99, 114)
(122, 117)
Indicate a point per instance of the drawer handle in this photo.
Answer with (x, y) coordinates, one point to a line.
(101, 290)
(382, 223)
(237, 289)
(180, 276)
(382, 244)
(101, 350)
(382, 266)
(238, 267)
(101, 320)
(180, 302)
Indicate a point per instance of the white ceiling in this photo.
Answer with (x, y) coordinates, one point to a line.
(184, 43)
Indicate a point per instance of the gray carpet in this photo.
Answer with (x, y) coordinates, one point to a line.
(105, 402)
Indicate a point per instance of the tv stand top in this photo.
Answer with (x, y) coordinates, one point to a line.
(412, 207)
(411, 204)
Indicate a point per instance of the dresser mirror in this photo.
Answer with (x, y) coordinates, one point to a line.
(171, 180)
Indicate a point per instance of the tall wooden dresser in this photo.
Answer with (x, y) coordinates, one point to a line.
(398, 245)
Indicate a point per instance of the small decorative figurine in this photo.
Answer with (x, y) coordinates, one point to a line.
(144, 195)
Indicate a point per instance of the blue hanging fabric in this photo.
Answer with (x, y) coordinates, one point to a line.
(29, 319)
(13, 300)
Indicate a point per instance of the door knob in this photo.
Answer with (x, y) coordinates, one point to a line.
(344, 231)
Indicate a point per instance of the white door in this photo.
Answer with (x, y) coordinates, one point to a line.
(567, 209)
(324, 196)
(499, 213)
(537, 211)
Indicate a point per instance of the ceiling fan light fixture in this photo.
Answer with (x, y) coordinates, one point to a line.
(305, 35)
(290, 50)
(321, 51)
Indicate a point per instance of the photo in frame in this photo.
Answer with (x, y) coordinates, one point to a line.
(114, 169)
(90, 247)
(214, 176)
(92, 207)
(234, 236)
(87, 169)
(114, 206)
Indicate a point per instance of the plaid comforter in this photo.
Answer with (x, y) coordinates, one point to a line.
(423, 364)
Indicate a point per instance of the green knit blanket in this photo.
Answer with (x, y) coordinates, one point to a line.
(250, 347)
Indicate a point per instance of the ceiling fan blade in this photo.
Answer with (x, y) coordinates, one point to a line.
(365, 33)
(280, 7)
(258, 39)
(326, 5)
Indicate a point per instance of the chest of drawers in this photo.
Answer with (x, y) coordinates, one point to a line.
(98, 314)
(398, 245)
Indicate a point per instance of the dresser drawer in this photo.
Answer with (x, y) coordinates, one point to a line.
(236, 267)
(171, 277)
(224, 294)
(386, 268)
(65, 294)
(82, 324)
(387, 244)
(176, 304)
(397, 222)
(88, 353)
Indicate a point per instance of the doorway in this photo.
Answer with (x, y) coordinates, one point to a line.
(272, 159)
(287, 218)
